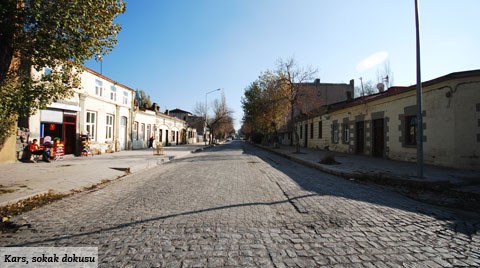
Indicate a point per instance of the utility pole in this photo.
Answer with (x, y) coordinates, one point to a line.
(361, 83)
(419, 100)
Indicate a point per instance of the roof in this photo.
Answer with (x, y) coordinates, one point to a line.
(398, 90)
(106, 78)
(179, 111)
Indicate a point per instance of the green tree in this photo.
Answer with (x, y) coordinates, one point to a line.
(142, 99)
(60, 35)
(264, 105)
(251, 105)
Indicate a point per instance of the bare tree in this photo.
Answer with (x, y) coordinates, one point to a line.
(200, 109)
(291, 78)
(366, 89)
(222, 117)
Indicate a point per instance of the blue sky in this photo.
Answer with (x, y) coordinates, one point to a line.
(178, 50)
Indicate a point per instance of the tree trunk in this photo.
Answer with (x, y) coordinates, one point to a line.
(8, 25)
(292, 127)
(295, 139)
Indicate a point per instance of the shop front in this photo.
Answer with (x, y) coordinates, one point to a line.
(59, 124)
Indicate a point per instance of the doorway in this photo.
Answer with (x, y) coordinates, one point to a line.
(69, 133)
(160, 136)
(360, 137)
(305, 141)
(122, 138)
(378, 142)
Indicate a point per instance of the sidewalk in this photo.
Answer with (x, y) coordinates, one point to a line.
(21, 180)
(388, 172)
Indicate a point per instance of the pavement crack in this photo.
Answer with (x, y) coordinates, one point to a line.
(292, 201)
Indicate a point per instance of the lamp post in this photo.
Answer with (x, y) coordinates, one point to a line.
(206, 110)
(100, 59)
(419, 100)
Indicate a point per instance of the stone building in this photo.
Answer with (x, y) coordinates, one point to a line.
(384, 124)
(313, 96)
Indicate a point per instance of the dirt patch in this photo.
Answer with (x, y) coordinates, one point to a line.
(8, 211)
(6, 190)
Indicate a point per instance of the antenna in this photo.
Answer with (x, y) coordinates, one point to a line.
(386, 79)
(381, 87)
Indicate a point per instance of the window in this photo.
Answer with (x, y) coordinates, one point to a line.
(173, 136)
(98, 87)
(109, 127)
(113, 93)
(90, 124)
(346, 133)
(320, 130)
(135, 131)
(301, 131)
(411, 130)
(335, 133)
(125, 97)
(311, 130)
(141, 133)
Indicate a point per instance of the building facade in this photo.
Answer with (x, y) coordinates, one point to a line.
(104, 112)
(196, 123)
(384, 124)
(311, 98)
(100, 109)
(162, 128)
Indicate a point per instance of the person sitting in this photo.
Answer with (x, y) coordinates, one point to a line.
(47, 141)
(35, 150)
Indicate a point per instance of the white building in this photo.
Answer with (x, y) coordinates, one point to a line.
(167, 130)
(105, 110)
(101, 107)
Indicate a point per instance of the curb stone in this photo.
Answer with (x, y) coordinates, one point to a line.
(469, 201)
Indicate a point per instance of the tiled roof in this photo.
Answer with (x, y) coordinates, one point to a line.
(396, 90)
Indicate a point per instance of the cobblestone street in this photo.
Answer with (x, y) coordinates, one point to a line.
(238, 206)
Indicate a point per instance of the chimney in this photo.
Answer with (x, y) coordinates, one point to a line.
(316, 81)
(349, 95)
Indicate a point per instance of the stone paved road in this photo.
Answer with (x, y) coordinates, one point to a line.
(238, 206)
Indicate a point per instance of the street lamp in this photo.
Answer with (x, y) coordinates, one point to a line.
(206, 110)
(100, 59)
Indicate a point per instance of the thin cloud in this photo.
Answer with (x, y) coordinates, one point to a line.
(372, 61)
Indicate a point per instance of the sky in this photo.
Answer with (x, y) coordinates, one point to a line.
(178, 50)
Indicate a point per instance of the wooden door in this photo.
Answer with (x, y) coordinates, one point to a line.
(360, 137)
(378, 142)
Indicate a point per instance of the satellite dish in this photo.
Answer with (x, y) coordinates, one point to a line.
(381, 87)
